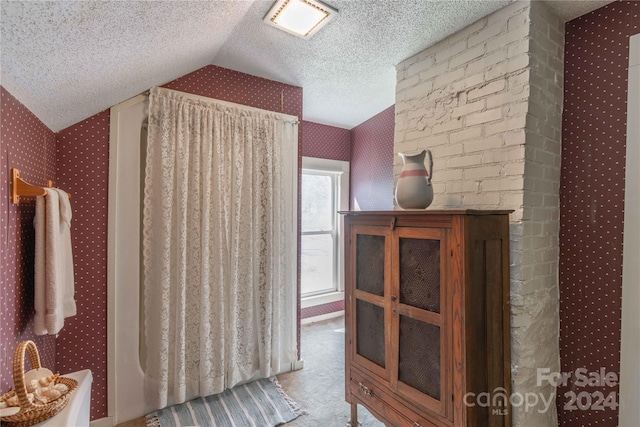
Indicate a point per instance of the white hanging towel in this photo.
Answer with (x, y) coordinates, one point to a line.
(54, 281)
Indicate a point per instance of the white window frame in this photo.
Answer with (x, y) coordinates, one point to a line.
(341, 170)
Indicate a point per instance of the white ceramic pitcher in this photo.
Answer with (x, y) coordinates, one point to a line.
(414, 189)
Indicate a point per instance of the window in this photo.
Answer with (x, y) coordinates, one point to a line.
(324, 192)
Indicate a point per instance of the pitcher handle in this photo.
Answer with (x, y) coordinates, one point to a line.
(430, 166)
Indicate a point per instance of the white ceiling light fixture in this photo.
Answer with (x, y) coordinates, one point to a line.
(302, 18)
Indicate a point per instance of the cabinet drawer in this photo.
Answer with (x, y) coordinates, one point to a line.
(384, 406)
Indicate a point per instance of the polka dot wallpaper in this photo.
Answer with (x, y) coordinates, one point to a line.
(592, 198)
(28, 145)
(372, 162)
(234, 86)
(83, 170)
(319, 310)
(326, 142)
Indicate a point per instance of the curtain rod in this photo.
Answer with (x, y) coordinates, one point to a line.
(196, 97)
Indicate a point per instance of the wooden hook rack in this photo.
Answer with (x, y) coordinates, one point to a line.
(22, 188)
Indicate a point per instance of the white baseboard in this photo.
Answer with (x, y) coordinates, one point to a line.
(297, 365)
(102, 422)
(322, 317)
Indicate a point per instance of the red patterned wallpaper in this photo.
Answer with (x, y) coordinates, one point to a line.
(27, 144)
(233, 86)
(83, 170)
(372, 162)
(319, 310)
(592, 200)
(325, 142)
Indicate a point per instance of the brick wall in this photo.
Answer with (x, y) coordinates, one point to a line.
(466, 100)
(535, 242)
(487, 102)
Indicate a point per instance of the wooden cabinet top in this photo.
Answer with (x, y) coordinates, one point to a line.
(427, 212)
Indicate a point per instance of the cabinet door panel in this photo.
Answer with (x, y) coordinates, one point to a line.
(419, 266)
(419, 356)
(421, 347)
(370, 262)
(370, 337)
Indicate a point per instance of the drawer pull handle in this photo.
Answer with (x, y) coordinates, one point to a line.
(365, 389)
(416, 424)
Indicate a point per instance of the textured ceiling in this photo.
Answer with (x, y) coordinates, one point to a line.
(67, 60)
(347, 70)
(570, 9)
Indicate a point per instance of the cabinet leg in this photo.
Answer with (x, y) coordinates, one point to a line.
(354, 415)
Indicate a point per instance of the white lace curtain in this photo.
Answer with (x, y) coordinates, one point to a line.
(219, 245)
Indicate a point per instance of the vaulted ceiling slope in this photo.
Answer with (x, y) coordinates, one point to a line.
(67, 60)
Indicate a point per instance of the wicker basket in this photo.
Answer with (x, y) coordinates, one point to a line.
(32, 413)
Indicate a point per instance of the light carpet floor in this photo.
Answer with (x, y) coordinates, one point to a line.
(319, 387)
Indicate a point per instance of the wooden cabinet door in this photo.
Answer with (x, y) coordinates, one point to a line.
(368, 287)
(420, 347)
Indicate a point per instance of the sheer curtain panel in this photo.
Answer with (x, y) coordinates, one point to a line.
(220, 203)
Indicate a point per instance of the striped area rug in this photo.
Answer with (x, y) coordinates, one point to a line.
(262, 403)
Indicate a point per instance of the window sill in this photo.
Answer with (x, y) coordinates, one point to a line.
(314, 300)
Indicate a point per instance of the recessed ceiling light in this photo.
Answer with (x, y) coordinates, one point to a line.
(302, 18)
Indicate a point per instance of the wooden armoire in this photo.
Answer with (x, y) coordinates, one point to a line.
(427, 317)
